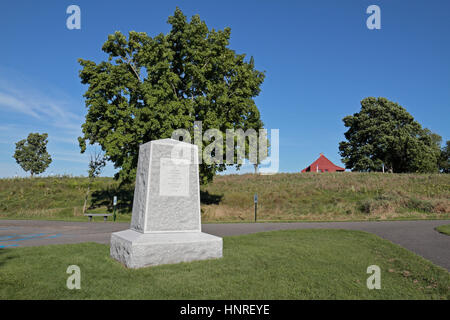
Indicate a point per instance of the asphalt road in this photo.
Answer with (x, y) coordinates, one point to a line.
(417, 236)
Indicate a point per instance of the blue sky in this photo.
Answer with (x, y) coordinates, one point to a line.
(319, 57)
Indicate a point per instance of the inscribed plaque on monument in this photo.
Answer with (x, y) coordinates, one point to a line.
(174, 177)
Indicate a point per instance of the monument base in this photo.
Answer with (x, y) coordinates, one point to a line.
(137, 250)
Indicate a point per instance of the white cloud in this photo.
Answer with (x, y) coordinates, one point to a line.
(11, 103)
(46, 109)
(39, 105)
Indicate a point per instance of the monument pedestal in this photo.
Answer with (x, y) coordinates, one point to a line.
(137, 250)
(166, 220)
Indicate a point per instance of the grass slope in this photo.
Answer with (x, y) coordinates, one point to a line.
(300, 264)
(445, 229)
(306, 196)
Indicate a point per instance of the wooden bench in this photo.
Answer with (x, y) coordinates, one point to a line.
(104, 215)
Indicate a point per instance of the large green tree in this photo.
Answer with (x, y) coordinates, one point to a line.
(383, 132)
(151, 86)
(444, 160)
(31, 153)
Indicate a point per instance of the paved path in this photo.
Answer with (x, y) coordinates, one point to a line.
(417, 236)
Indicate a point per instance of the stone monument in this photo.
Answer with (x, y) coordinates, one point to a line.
(166, 222)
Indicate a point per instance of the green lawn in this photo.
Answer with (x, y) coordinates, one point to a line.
(445, 229)
(300, 264)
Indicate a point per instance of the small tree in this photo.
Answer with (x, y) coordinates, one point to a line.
(96, 163)
(31, 153)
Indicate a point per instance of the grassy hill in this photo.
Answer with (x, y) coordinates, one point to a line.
(287, 197)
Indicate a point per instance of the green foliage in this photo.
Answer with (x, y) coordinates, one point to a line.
(383, 132)
(420, 205)
(444, 159)
(31, 153)
(372, 206)
(151, 86)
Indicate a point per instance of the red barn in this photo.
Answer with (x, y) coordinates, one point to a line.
(322, 164)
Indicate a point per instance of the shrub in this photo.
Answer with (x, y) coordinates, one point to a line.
(420, 205)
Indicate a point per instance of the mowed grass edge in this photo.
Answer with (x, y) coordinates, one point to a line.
(294, 264)
(445, 229)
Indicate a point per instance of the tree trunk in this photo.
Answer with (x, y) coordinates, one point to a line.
(86, 198)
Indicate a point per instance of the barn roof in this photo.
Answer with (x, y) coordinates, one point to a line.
(323, 163)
